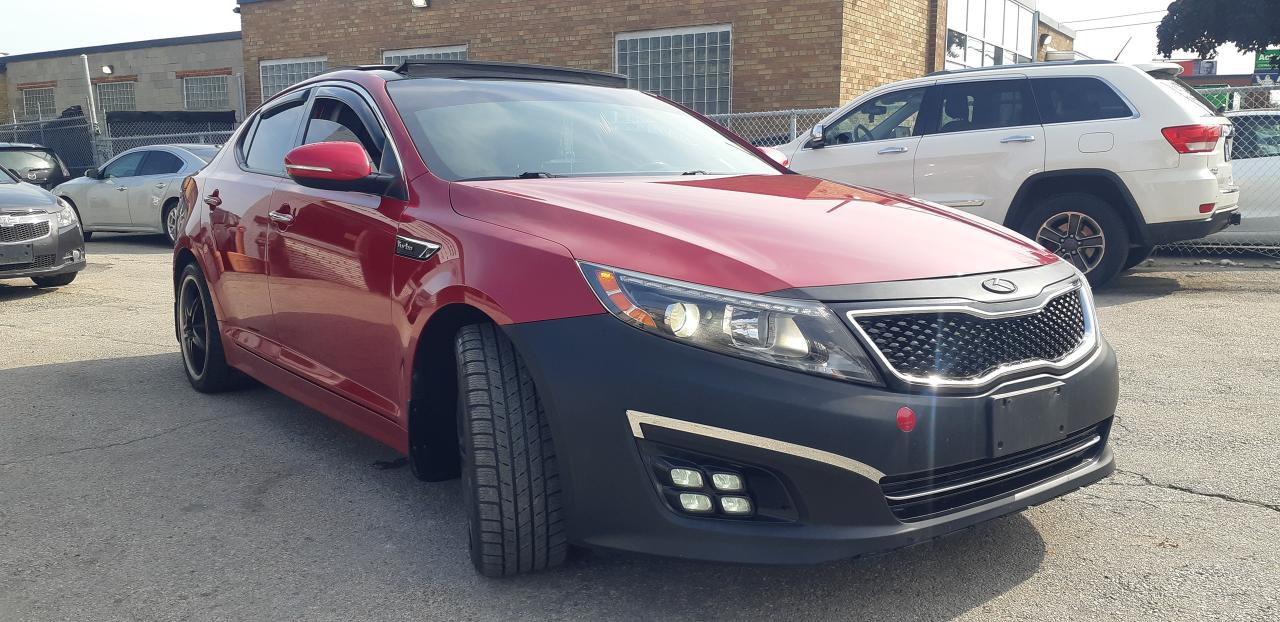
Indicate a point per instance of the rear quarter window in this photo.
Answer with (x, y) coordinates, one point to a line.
(1069, 100)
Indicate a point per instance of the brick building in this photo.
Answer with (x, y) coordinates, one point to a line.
(183, 73)
(715, 55)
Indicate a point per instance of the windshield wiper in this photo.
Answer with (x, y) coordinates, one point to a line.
(695, 172)
(527, 175)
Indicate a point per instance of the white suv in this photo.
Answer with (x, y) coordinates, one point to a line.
(1097, 161)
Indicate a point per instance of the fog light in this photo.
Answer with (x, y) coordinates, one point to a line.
(692, 502)
(76, 255)
(726, 482)
(686, 478)
(735, 505)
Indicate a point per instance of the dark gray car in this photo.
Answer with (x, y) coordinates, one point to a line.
(40, 235)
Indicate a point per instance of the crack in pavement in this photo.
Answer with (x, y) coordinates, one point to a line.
(116, 444)
(1147, 481)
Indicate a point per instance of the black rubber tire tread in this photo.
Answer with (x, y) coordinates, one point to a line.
(1137, 255)
(510, 478)
(54, 281)
(1106, 215)
(218, 375)
(170, 205)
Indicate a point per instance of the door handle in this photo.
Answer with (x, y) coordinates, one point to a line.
(1025, 138)
(161, 186)
(280, 217)
(891, 150)
(122, 188)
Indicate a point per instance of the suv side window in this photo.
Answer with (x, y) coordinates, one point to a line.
(984, 105)
(160, 163)
(1066, 100)
(892, 115)
(125, 166)
(335, 121)
(275, 134)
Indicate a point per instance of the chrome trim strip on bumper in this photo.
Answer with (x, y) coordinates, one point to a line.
(982, 480)
(1087, 345)
(636, 418)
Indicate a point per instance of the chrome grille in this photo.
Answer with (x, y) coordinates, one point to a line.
(958, 346)
(23, 231)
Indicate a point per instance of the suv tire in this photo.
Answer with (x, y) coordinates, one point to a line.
(510, 481)
(1137, 255)
(1083, 229)
(201, 344)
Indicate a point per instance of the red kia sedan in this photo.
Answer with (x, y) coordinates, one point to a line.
(622, 326)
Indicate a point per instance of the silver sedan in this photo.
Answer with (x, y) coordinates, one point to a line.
(136, 191)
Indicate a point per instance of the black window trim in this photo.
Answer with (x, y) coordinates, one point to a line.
(358, 106)
(1133, 110)
(298, 98)
(364, 106)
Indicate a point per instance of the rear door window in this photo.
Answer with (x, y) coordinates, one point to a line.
(1068, 100)
(275, 134)
(160, 163)
(984, 105)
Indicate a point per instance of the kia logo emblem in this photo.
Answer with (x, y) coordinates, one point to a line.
(999, 286)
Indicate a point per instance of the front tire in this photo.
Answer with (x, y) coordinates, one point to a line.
(198, 335)
(54, 281)
(1083, 229)
(511, 484)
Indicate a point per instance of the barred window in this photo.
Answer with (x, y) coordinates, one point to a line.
(688, 65)
(206, 93)
(278, 75)
(39, 103)
(116, 96)
(444, 52)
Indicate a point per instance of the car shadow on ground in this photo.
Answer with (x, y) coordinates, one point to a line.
(128, 244)
(1135, 287)
(278, 506)
(19, 289)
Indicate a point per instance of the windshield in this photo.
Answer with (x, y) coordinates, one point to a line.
(22, 161)
(501, 129)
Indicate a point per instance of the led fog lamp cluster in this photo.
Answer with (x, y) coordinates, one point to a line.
(708, 493)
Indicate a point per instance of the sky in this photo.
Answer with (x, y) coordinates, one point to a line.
(42, 25)
(1105, 44)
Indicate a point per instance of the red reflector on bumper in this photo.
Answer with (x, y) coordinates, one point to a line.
(906, 419)
(1207, 208)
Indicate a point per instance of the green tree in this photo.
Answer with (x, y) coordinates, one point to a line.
(1202, 26)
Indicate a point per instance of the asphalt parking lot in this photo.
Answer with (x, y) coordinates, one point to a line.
(125, 495)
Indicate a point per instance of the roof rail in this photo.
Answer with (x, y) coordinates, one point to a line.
(1052, 63)
(507, 71)
(362, 68)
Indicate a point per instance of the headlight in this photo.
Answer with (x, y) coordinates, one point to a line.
(797, 334)
(66, 215)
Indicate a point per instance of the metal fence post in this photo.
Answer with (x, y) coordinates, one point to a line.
(795, 122)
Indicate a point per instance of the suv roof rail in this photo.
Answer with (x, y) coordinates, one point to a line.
(507, 71)
(1052, 63)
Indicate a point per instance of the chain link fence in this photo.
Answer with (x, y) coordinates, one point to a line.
(71, 138)
(770, 129)
(1254, 112)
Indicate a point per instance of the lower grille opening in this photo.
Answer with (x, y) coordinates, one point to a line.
(926, 494)
(41, 261)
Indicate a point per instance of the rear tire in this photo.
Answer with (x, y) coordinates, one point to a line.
(510, 481)
(1082, 229)
(1137, 255)
(201, 342)
(88, 235)
(54, 281)
(169, 219)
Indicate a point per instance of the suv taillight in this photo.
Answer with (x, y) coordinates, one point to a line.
(1193, 138)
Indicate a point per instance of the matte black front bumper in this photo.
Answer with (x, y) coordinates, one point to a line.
(59, 252)
(591, 371)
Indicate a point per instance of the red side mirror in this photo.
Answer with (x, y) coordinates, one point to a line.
(328, 165)
(776, 156)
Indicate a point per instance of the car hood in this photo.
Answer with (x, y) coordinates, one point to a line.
(26, 198)
(749, 233)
